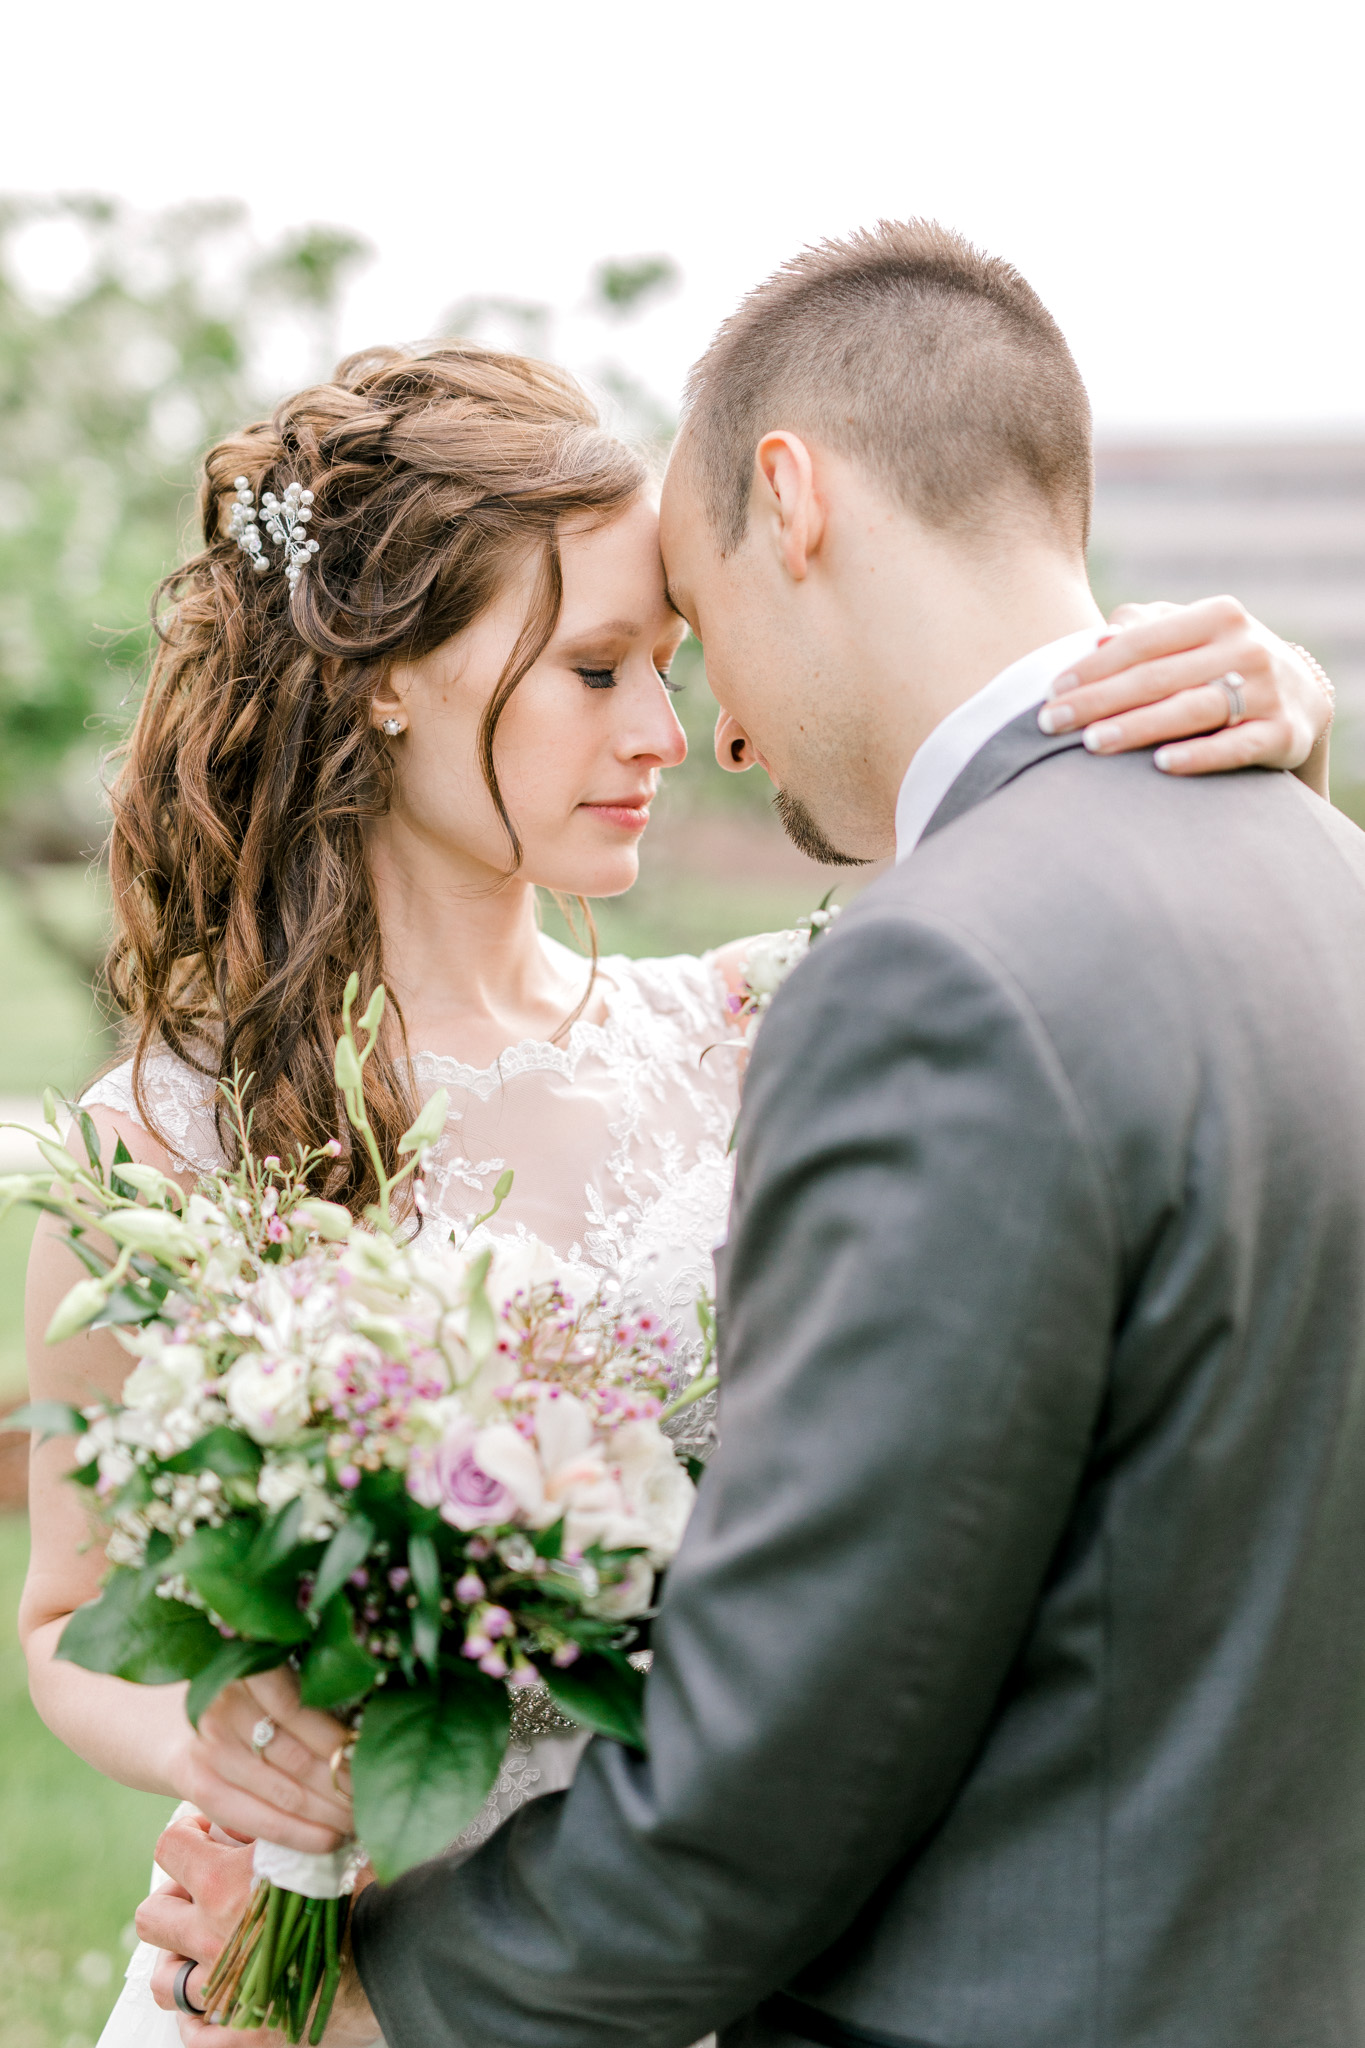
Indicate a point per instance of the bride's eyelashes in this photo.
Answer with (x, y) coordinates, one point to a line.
(605, 679)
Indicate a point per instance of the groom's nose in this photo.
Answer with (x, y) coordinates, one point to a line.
(734, 749)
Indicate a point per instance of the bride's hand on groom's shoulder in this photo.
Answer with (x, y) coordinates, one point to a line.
(1153, 683)
(281, 1788)
(191, 1919)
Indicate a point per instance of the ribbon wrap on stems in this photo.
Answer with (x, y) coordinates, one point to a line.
(332, 1876)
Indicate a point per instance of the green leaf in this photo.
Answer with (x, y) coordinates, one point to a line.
(132, 1634)
(215, 1562)
(222, 1450)
(425, 1567)
(122, 1188)
(128, 1305)
(424, 1764)
(275, 1542)
(345, 1554)
(604, 1693)
(47, 1418)
(233, 1660)
(336, 1671)
(90, 1138)
(481, 1326)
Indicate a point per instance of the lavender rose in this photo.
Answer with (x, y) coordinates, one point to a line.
(451, 1478)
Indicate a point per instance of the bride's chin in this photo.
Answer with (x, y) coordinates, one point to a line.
(594, 878)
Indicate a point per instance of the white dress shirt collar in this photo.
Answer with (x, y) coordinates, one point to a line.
(965, 731)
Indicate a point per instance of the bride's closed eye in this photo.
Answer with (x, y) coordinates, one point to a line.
(605, 679)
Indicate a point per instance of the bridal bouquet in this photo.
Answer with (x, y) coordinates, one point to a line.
(422, 1474)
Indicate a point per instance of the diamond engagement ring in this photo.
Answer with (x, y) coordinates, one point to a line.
(1233, 687)
(263, 1734)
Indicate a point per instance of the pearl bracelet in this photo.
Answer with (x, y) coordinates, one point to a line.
(1320, 674)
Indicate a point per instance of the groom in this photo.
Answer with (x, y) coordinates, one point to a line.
(1009, 1691)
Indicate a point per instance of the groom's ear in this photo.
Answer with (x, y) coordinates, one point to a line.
(786, 503)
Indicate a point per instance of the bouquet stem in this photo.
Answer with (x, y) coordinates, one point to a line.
(283, 1965)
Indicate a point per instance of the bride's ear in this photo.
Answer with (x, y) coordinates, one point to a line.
(388, 706)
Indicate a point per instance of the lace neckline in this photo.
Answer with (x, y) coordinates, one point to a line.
(534, 1055)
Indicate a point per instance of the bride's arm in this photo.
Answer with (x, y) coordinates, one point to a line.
(140, 1734)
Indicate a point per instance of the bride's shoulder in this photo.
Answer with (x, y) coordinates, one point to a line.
(174, 1102)
(688, 987)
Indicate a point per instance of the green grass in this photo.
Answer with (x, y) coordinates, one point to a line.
(16, 1234)
(75, 1854)
(50, 1027)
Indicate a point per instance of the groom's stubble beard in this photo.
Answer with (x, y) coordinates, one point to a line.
(807, 836)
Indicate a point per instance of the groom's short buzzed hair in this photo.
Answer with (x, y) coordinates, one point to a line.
(906, 349)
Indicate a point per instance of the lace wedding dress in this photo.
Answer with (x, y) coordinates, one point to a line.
(618, 1140)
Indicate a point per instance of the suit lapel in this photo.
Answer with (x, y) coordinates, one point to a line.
(1016, 748)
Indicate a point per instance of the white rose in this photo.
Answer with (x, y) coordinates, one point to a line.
(658, 1492)
(771, 959)
(268, 1394)
(169, 1376)
(522, 1263)
(284, 1479)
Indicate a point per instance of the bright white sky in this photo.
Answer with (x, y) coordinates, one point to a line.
(1181, 179)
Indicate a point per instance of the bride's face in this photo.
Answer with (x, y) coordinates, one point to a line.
(584, 736)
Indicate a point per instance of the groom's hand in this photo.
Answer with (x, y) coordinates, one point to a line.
(192, 1918)
(1153, 684)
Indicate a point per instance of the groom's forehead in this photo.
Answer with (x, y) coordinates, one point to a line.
(686, 541)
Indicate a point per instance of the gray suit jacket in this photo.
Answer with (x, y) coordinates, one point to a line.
(1010, 1689)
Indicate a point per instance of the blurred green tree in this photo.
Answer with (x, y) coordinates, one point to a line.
(128, 342)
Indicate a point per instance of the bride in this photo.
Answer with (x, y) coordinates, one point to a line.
(367, 746)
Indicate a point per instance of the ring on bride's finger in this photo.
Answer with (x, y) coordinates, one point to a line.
(341, 1757)
(181, 1991)
(263, 1734)
(1234, 688)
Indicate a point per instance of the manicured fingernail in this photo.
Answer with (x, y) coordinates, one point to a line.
(1105, 638)
(1061, 684)
(1103, 739)
(1165, 758)
(1056, 718)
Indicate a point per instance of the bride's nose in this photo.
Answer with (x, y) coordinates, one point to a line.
(734, 748)
(653, 732)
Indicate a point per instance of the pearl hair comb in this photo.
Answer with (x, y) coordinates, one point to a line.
(286, 520)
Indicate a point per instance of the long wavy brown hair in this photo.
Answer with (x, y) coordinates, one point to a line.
(242, 891)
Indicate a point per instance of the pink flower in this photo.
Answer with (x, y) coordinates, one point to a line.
(348, 1476)
(497, 1622)
(276, 1231)
(565, 1655)
(452, 1479)
(468, 1589)
(494, 1665)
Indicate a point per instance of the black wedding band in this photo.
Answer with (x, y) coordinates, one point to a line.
(181, 1992)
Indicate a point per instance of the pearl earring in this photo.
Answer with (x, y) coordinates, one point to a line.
(392, 726)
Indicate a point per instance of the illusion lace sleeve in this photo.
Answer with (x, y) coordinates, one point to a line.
(181, 1102)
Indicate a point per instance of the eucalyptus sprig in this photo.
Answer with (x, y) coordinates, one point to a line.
(351, 1057)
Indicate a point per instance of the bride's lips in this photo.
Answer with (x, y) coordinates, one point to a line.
(631, 816)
